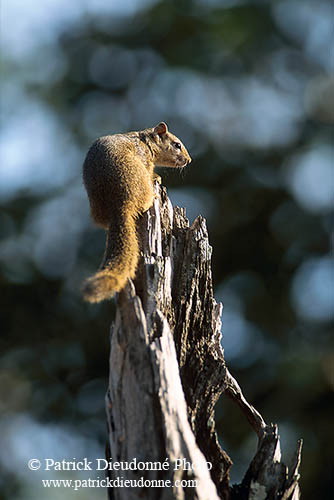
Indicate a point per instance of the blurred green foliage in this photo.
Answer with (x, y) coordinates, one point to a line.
(246, 85)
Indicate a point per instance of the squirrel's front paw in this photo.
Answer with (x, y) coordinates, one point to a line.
(157, 178)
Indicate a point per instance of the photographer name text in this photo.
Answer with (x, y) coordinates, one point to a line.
(100, 464)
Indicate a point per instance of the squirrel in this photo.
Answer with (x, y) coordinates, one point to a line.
(118, 174)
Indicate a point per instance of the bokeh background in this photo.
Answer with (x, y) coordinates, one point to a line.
(248, 87)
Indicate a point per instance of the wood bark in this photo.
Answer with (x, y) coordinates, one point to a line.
(167, 371)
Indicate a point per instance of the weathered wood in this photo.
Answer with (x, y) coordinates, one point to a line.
(167, 371)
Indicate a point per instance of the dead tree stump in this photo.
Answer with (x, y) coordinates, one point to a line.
(167, 371)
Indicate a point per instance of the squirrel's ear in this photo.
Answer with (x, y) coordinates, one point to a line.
(161, 128)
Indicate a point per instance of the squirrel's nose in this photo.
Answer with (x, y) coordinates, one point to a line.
(186, 162)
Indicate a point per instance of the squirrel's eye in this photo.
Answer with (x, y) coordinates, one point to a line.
(177, 145)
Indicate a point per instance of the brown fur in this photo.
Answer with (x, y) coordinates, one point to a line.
(118, 175)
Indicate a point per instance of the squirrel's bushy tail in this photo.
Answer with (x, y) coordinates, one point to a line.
(119, 261)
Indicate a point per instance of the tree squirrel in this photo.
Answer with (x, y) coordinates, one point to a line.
(118, 174)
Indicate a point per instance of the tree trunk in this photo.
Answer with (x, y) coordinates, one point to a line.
(167, 371)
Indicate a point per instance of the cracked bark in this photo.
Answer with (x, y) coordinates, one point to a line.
(167, 371)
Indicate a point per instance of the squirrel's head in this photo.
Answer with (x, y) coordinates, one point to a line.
(168, 149)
